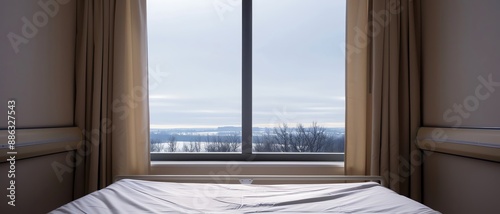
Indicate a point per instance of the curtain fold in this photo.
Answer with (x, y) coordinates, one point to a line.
(111, 105)
(383, 38)
(357, 85)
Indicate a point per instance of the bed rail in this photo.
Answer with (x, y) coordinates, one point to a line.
(248, 179)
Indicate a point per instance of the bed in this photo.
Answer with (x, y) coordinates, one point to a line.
(144, 196)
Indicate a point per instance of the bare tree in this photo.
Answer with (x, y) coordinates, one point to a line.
(214, 144)
(301, 138)
(156, 145)
(314, 138)
(172, 144)
(265, 143)
(234, 141)
(284, 136)
(193, 146)
(223, 143)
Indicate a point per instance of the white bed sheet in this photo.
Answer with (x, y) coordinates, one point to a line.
(136, 196)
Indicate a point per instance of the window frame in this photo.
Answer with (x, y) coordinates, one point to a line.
(246, 125)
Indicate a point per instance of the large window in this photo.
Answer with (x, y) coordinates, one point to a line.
(247, 80)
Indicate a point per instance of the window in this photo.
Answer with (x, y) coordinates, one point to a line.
(247, 80)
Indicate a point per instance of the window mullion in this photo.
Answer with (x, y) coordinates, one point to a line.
(246, 136)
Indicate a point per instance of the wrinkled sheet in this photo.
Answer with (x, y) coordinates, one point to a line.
(136, 196)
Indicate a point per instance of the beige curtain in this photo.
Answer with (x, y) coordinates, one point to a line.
(111, 92)
(383, 94)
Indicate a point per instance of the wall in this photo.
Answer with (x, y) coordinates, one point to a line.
(460, 45)
(455, 184)
(37, 189)
(38, 74)
(246, 168)
(37, 50)
(460, 55)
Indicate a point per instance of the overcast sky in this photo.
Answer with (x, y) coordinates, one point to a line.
(195, 62)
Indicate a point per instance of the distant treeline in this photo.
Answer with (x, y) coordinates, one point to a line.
(280, 139)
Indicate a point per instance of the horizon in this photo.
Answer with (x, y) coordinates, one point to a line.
(228, 126)
(255, 127)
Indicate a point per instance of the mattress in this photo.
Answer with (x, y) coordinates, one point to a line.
(137, 196)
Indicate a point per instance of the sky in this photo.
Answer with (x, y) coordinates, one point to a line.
(194, 53)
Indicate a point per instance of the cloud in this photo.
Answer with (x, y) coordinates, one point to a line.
(298, 74)
(162, 97)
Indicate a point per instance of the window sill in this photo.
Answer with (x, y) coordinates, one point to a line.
(256, 157)
(335, 164)
(247, 168)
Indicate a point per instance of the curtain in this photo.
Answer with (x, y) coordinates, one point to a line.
(383, 92)
(356, 147)
(111, 105)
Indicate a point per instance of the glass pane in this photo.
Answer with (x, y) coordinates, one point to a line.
(298, 75)
(194, 76)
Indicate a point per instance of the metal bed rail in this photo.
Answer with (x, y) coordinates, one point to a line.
(248, 179)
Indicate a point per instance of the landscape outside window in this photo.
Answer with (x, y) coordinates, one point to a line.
(195, 75)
